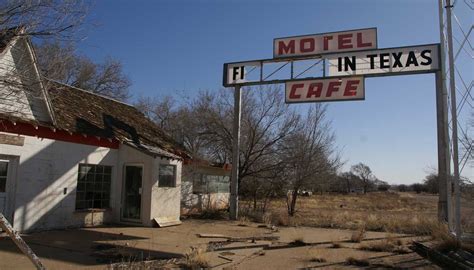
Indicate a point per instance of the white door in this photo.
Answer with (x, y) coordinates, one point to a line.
(7, 174)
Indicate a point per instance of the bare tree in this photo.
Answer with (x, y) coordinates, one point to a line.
(364, 173)
(60, 62)
(44, 19)
(182, 122)
(349, 180)
(308, 154)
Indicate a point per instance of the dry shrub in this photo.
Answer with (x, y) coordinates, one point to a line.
(416, 224)
(244, 221)
(298, 241)
(359, 235)
(389, 244)
(315, 256)
(445, 240)
(281, 220)
(213, 213)
(196, 258)
(267, 218)
(336, 245)
(357, 262)
(374, 223)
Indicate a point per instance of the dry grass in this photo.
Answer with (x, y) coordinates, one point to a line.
(444, 240)
(213, 213)
(316, 256)
(389, 244)
(358, 236)
(357, 262)
(379, 211)
(196, 258)
(244, 221)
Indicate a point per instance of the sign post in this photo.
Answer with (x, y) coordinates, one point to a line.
(234, 181)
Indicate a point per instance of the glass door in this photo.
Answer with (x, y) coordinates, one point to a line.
(132, 193)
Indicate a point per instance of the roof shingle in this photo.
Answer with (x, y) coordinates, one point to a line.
(80, 111)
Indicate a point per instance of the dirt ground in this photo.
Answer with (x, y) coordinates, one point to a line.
(296, 247)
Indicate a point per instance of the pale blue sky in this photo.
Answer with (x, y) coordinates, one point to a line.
(171, 47)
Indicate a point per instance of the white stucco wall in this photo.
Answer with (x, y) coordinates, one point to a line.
(131, 156)
(156, 201)
(165, 201)
(45, 168)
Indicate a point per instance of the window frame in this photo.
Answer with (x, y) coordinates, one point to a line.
(84, 183)
(5, 177)
(174, 184)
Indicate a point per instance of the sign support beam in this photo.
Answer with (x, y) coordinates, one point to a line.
(234, 181)
(443, 148)
(454, 120)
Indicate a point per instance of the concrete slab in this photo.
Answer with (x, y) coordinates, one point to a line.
(95, 248)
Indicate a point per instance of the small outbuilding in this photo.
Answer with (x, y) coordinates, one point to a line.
(204, 186)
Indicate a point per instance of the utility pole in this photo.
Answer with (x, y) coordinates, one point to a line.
(454, 120)
(444, 159)
(234, 181)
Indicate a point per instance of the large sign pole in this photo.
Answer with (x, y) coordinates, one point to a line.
(444, 158)
(454, 120)
(443, 148)
(234, 181)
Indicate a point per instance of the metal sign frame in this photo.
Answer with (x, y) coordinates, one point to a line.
(323, 58)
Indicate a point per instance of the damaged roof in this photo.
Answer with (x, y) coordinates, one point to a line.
(84, 112)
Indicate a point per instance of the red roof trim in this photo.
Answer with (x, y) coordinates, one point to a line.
(60, 135)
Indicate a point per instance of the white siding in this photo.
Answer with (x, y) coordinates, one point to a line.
(22, 96)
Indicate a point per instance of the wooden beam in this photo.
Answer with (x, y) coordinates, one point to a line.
(16, 238)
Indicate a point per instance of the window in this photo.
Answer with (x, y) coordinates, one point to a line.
(93, 186)
(3, 175)
(199, 184)
(205, 183)
(167, 176)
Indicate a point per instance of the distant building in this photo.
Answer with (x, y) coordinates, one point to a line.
(204, 186)
(72, 158)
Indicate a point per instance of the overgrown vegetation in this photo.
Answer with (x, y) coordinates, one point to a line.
(358, 236)
(357, 261)
(316, 256)
(196, 258)
(389, 244)
(374, 211)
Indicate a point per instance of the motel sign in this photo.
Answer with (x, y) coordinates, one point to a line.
(342, 61)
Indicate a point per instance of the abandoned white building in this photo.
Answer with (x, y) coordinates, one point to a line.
(72, 158)
(204, 185)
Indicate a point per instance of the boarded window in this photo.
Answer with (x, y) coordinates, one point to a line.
(167, 176)
(93, 186)
(3, 175)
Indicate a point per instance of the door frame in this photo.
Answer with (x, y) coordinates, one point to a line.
(10, 187)
(122, 199)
